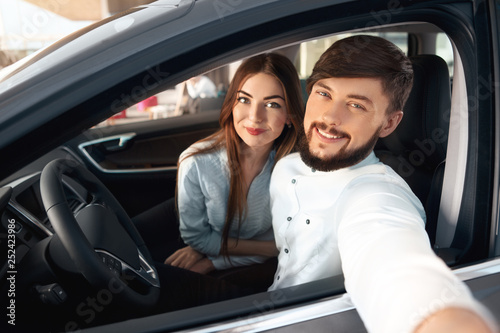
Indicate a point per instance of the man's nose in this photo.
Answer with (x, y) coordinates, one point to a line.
(333, 115)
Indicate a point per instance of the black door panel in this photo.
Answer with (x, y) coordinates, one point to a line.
(138, 161)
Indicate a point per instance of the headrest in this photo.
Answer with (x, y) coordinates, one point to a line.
(422, 135)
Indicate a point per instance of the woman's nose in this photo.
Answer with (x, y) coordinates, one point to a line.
(256, 113)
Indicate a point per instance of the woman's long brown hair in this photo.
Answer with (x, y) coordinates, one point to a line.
(283, 70)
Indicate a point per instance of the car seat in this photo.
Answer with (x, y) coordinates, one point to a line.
(416, 150)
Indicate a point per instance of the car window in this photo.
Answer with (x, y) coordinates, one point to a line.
(311, 51)
(445, 50)
(188, 98)
(205, 92)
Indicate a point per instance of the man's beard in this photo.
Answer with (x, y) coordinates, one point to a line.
(342, 159)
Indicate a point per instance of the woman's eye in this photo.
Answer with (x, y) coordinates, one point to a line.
(243, 100)
(273, 105)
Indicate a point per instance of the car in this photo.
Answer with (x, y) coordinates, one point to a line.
(71, 131)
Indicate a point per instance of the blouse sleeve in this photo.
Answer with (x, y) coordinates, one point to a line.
(194, 227)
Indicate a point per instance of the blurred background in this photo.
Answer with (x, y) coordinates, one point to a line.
(29, 25)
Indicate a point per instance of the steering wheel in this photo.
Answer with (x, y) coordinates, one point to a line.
(101, 240)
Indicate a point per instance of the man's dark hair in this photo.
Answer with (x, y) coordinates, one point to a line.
(364, 56)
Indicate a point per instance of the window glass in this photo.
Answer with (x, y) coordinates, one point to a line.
(445, 50)
(312, 50)
(202, 93)
(207, 92)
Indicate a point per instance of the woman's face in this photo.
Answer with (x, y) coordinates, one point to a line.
(260, 112)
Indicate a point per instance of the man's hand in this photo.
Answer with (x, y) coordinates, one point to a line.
(453, 320)
(185, 258)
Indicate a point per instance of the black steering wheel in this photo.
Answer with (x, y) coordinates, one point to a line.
(100, 240)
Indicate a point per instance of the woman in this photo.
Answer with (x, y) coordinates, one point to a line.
(223, 180)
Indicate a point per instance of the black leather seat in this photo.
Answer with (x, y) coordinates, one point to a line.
(416, 150)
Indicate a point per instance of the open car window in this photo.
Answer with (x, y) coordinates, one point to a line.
(176, 101)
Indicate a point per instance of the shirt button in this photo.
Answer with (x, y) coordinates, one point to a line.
(294, 181)
(278, 277)
(286, 251)
(289, 218)
(313, 170)
(308, 221)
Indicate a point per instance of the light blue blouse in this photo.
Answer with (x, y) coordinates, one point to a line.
(203, 190)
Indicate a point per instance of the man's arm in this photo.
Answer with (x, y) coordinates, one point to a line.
(391, 270)
(454, 320)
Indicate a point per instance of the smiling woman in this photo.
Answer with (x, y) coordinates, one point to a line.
(223, 180)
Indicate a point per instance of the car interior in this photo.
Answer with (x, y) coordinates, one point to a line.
(136, 160)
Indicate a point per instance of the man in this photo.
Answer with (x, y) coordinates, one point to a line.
(337, 209)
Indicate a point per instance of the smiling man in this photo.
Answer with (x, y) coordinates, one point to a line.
(338, 210)
(346, 117)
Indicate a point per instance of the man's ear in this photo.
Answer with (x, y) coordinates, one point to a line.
(392, 122)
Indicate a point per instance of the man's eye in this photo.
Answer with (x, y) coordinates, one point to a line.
(322, 93)
(273, 105)
(357, 106)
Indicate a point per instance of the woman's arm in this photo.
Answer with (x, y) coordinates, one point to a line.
(251, 247)
(194, 225)
(244, 252)
(189, 258)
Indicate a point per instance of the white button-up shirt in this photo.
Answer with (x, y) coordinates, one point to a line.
(363, 222)
(306, 215)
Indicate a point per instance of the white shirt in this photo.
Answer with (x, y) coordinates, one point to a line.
(363, 222)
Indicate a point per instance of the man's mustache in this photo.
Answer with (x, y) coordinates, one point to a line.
(325, 128)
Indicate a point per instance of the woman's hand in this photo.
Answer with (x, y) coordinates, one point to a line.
(203, 266)
(186, 258)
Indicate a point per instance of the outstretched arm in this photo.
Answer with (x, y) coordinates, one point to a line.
(388, 264)
(454, 320)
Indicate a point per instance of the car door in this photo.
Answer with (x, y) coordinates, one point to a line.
(137, 161)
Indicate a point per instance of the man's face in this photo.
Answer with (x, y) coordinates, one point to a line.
(344, 118)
